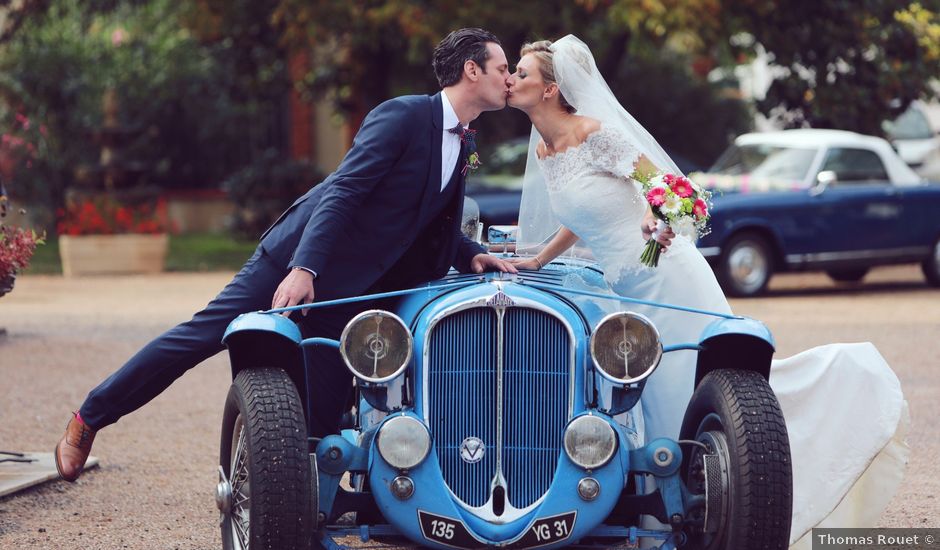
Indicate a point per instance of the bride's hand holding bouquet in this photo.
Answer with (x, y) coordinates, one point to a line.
(677, 204)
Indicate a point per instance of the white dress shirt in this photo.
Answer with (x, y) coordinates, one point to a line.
(450, 143)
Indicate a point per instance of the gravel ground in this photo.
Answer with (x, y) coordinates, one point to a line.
(154, 488)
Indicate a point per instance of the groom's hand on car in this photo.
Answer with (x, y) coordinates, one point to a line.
(296, 288)
(486, 262)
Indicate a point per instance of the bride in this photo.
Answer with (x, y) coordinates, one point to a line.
(844, 410)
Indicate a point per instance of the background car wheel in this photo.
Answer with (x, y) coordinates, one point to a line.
(737, 418)
(931, 265)
(746, 265)
(847, 275)
(265, 459)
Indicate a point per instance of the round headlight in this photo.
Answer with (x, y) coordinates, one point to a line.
(403, 442)
(625, 347)
(376, 346)
(590, 441)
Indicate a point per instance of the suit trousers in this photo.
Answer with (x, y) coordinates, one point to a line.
(181, 348)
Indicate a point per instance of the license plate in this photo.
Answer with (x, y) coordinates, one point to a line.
(451, 532)
(547, 531)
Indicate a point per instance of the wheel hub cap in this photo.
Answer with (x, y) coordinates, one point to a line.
(748, 267)
(223, 493)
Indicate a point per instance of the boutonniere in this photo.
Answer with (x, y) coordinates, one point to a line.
(472, 162)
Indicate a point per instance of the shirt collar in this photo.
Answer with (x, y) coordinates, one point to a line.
(450, 116)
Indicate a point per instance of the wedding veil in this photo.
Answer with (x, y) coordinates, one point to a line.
(585, 89)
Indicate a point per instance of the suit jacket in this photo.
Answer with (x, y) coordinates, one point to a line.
(362, 219)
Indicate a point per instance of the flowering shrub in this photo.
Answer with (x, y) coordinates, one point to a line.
(105, 216)
(16, 248)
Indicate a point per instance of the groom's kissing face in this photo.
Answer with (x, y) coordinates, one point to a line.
(494, 87)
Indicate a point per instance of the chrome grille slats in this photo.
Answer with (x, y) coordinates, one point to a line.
(463, 369)
(462, 378)
(535, 402)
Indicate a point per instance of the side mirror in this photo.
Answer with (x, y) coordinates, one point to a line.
(502, 234)
(823, 180)
(470, 224)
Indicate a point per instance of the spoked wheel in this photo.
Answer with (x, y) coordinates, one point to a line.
(741, 464)
(265, 494)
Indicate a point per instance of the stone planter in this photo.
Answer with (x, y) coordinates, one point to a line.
(112, 254)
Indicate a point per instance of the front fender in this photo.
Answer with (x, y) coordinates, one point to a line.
(738, 343)
(266, 340)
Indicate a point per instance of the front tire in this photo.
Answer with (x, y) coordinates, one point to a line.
(264, 456)
(746, 265)
(736, 416)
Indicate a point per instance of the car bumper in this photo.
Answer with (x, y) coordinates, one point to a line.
(432, 516)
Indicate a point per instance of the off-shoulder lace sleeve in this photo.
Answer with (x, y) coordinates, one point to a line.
(612, 152)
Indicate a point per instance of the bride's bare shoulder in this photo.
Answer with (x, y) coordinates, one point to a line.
(585, 127)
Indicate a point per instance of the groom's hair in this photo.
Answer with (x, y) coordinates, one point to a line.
(456, 48)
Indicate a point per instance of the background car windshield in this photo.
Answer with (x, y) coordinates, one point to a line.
(503, 166)
(765, 161)
(912, 124)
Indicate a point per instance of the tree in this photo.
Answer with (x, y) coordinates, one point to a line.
(366, 51)
(846, 64)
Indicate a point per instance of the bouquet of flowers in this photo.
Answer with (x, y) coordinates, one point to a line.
(676, 202)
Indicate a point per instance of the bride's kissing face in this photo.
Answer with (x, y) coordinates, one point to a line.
(526, 85)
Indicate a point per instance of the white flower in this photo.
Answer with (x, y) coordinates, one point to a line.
(672, 205)
(684, 226)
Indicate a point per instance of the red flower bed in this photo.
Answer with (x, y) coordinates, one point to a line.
(104, 216)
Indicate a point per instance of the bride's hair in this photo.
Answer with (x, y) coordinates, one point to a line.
(542, 50)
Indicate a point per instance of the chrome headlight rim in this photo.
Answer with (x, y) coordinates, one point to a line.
(642, 319)
(387, 455)
(346, 359)
(609, 432)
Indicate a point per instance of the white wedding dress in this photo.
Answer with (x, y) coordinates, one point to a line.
(845, 413)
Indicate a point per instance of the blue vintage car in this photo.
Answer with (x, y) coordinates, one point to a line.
(827, 200)
(502, 410)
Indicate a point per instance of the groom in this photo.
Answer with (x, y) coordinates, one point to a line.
(387, 218)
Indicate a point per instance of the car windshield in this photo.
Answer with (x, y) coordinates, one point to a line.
(766, 161)
(912, 124)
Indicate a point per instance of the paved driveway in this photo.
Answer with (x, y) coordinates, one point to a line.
(155, 485)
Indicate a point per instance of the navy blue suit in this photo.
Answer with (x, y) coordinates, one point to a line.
(380, 221)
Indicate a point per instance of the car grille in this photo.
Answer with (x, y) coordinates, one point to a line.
(518, 408)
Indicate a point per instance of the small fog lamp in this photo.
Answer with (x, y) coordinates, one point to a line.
(626, 347)
(403, 442)
(589, 488)
(376, 346)
(403, 487)
(590, 442)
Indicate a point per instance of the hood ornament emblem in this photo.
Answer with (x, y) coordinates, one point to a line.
(472, 450)
(500, 300)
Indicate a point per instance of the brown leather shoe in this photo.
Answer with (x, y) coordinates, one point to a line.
(72, 452)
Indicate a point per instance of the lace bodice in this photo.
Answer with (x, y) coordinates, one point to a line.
(592, 194)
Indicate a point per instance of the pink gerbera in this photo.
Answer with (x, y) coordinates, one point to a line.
(682, 187)
(700, 209)
(656, 196)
